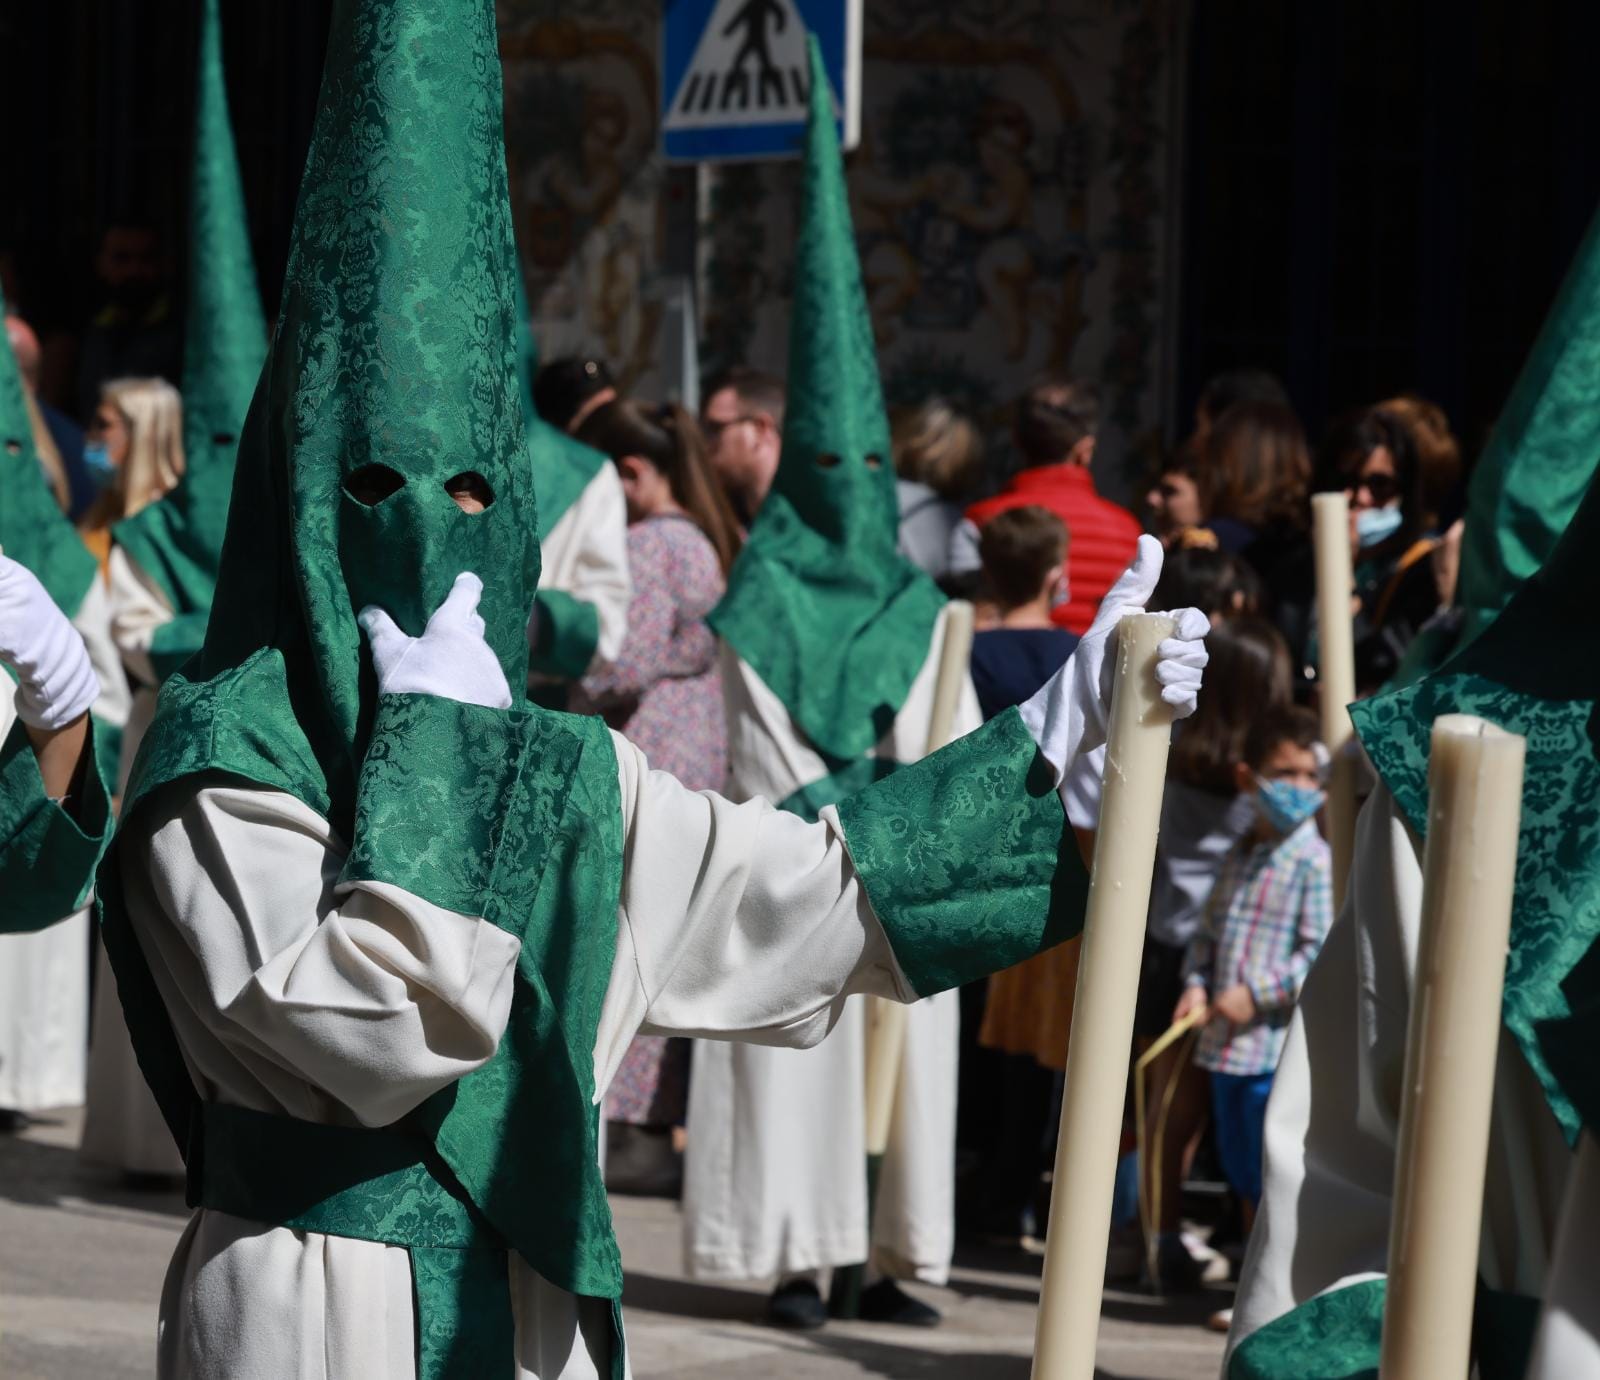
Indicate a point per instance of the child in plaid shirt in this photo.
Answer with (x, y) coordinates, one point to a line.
(1263, 927)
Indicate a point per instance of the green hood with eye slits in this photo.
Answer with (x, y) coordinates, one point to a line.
(177, 541)
(396, 354)
(820, 603)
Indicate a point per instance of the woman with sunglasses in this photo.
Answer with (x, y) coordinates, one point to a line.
(1370, 455)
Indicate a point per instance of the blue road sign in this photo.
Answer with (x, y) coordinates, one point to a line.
(734, 75)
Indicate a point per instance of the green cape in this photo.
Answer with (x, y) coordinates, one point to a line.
(1534, 671)
(33, 530)
(177, 541)
(1536, 468)
(820, 603)
(396, 348)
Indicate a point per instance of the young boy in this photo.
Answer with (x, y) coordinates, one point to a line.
(1264, 925)
(1024, 554)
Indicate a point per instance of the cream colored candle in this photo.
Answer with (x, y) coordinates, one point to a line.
(1336, 674)
(1468, 871)
(1102, 1015)
(886, 1020)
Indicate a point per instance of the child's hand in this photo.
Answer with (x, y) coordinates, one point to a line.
(1193, 999)
(1236, 1005)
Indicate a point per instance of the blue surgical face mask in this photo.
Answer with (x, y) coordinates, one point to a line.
(97, 460)
(1374, 525)
(1285, 805)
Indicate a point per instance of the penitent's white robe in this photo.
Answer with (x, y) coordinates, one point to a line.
(775, 1174)
(122, 1126)
(44, 977)
(1333, 1123)
(350, 1003)
(585, 554)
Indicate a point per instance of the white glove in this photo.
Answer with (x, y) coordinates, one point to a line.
(1068, 715)
(56, 682)
(451, 659)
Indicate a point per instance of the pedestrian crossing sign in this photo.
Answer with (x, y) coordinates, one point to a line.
(734, 75)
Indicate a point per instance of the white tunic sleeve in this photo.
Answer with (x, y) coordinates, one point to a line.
(586, 555)
(737, 921)
(288, 989)
(93, 622)
(138, 609)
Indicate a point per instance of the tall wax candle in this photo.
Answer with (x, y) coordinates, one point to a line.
(1102, 1016)
(1336, 672)
(1468, 874)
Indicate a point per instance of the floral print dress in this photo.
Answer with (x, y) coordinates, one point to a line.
(664, 694)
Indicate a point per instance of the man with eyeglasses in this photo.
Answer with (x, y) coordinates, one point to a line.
(742, 418)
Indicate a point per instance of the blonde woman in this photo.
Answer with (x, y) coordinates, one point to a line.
(938, 460)
(137, 434)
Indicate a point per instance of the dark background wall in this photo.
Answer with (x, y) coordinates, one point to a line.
(1383, 196)
(1377, 195)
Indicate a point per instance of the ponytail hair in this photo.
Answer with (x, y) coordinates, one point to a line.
(669, 438)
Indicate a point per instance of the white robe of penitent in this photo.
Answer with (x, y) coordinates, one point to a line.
(775, 1173)
(585, 554)
(350, 1003)
(1333, 1123)
(123, 1128)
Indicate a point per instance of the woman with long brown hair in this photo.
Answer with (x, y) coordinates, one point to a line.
(664, 693)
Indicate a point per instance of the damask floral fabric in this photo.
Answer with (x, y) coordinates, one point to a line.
(47, 856)
(966, 857)
(1527, 674)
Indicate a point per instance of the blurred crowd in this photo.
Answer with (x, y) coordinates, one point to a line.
(1241, 899)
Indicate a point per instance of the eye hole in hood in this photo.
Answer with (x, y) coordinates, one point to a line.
(371, 484)
(471, 491)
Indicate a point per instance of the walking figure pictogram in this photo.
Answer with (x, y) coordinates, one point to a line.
(755, 16)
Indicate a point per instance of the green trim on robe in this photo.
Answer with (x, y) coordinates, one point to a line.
(1338, 1335)
(47, 856)
(569, 632)
(967, 859)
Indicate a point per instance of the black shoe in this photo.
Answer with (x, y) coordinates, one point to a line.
(797, 1306)
(1177, 1271)
(887, 1302)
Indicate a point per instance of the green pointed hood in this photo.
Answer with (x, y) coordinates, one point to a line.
(395, 349)
(178, 540)
(820, 603)
(1536, 468)
(33, 530)
(1535, 671)
(562, 464)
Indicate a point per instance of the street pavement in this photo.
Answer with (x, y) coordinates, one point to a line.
(81, 1261)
